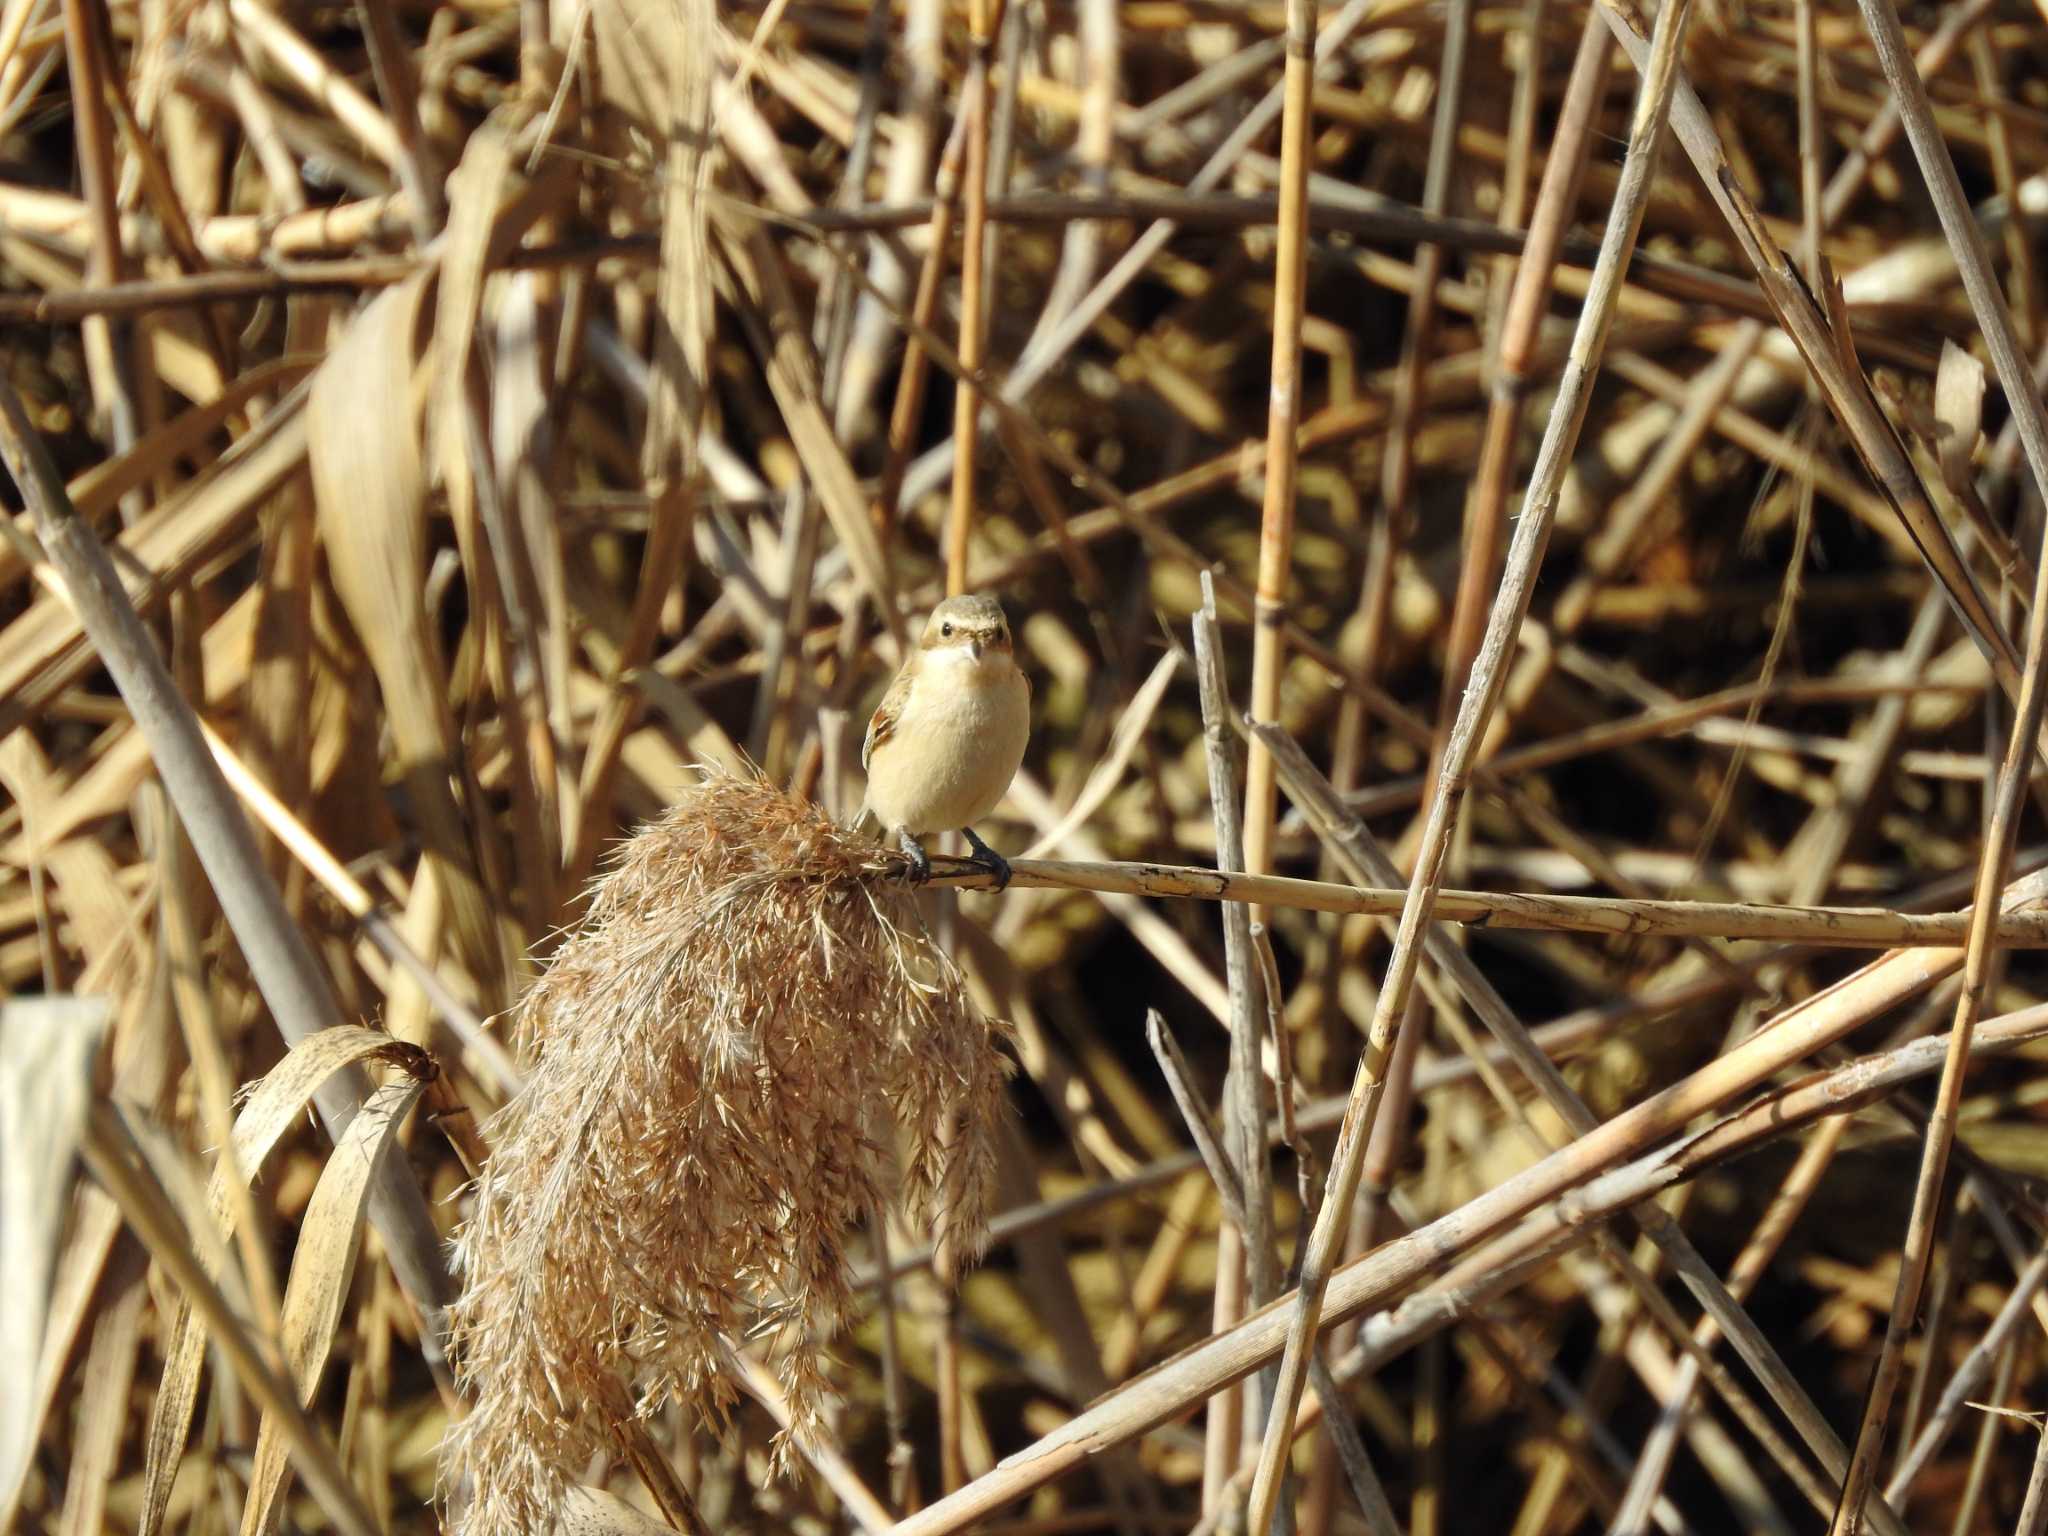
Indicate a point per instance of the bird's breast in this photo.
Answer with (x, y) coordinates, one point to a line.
(956, 746)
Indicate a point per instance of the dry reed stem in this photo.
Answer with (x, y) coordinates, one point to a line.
(247, 188)
(1526, 554)
(1373, 1281)
(1283, 419)
(1247, 1260)
(297, 990)
(1854, 927)
(2015, 773)
(974, 299)
(721, 1051)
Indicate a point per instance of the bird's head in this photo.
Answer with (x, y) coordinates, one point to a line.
(972, 622)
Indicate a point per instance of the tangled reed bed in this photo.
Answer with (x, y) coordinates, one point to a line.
(748, 1047)
(495, 411)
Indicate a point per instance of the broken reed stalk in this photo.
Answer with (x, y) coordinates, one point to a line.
(1489, 673)
(722, 1052)
(1247, 1260)
(2001, 338)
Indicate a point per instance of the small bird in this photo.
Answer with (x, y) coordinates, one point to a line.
(949, 734)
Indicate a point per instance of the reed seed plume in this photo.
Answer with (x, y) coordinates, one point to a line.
(723, 1056)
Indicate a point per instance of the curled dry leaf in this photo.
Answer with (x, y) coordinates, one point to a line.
(275, 1105)
(725, 1049)
(322, 1267)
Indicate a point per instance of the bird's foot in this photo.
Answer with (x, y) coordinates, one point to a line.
(920, 861)
(988, 858)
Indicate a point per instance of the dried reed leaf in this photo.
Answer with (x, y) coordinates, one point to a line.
(95, 1223)
(47, 1046)
(682, 350)
(632, 78)
(322, 1266)
(102, 790)
(87, 879)
(102, 1412)
(370, 484)
(723, 1048)
(97, 490)
(793, 377)
(522, 450)
(273, 1108)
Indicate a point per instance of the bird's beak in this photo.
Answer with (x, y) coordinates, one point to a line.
(974, 649)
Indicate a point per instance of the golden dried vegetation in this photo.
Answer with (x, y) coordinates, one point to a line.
(1596, 994)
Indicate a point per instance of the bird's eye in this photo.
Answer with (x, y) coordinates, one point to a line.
(945, 629)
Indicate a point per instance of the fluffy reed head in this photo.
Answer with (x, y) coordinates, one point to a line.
(724, 1054)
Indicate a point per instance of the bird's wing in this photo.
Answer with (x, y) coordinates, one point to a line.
(883, 724)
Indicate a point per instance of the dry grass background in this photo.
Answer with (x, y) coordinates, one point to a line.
(502, 417)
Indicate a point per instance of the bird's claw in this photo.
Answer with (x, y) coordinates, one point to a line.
(989, 859)
(920, 861)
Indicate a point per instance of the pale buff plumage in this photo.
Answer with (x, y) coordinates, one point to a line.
(949, 734)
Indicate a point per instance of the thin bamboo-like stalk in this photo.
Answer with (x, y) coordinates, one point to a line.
(984, 16)
(1283, 448)
(1846, 927)
(1397, 467)
(1513, 370)
(916, 368)
(1524, 557)
(107, 342)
